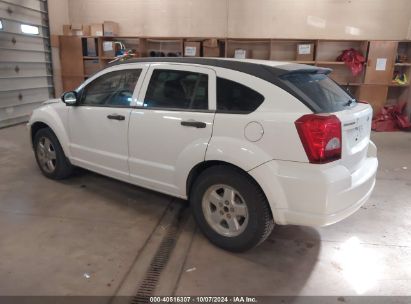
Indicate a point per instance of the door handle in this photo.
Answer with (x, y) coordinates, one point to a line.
(194, 124)
(116, 117)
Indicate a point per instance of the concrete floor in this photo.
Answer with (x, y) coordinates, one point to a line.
(87, 236)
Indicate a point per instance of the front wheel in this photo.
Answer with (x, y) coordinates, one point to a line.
(231, 209)
(50, 156)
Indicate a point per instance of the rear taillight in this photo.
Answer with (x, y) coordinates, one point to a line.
(321, 137)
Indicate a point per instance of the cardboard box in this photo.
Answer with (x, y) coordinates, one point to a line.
(86, 30)
(91, 47)
(76, 30)
(110, 28)
(242, 54)
(91, 67)
(67, 30)
(96, 29)
(305, 51)
(192, 48)
(211, 51)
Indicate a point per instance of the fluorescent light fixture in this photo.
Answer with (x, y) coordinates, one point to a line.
(1, 25)
(30, 29)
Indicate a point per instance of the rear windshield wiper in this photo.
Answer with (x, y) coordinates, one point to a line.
(350, 102)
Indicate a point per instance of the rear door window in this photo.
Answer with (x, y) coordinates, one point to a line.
(233, 97)
(173, 89)
(319, 92)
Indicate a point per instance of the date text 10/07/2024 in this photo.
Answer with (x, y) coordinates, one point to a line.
(205, 299)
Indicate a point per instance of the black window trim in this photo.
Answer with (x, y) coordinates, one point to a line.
(236, 112)
(173, 109)
(136, 107)
(177, 109)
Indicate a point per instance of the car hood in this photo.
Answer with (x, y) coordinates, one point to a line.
(50, 101)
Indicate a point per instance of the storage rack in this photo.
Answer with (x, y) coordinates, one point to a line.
(372, 85)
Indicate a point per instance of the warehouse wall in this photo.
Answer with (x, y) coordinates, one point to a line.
(339, 19)
(58, 15)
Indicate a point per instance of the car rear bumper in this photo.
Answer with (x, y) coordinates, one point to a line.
(316, 195)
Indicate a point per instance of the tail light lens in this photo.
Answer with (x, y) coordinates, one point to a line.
(321, 137)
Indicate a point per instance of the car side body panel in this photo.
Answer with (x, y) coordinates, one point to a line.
(162, 151)
(54, 113)
(264, 143)
(98, 143)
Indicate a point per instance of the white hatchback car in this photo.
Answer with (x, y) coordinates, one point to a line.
(249, 143)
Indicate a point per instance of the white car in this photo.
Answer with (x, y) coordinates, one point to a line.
(249, 143)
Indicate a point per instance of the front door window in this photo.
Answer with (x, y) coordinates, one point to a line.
(114, 89)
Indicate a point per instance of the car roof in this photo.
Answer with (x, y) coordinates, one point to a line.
(270, 71)
(265, 69)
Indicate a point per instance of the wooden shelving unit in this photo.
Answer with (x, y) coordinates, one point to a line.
(286, 50)
(372, 85)
(407, 64)
(165, 47)
(255, 48)
(401, 92)
(329, 62)
(326, 56)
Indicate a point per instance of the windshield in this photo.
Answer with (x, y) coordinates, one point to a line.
(319, 92)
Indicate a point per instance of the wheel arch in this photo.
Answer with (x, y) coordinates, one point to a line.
(201, 167)
(56, 128)
(35, 127)
(258, 179)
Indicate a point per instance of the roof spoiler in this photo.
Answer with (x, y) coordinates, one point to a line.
(313, 70)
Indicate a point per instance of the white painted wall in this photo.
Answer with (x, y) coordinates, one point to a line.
(58, 15)
(155, 17)
(339, 19)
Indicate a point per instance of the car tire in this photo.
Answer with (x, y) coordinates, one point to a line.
(50, 156)
(208, 195)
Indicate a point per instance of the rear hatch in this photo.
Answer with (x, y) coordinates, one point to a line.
(356, 131)
(323, 96)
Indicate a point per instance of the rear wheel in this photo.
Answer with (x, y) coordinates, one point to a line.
(50, 156)
(230, 208)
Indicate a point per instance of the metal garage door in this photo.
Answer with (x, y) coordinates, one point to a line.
(25, 59)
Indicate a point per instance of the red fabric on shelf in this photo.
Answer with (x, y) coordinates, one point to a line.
(353, 59)
(391, 118)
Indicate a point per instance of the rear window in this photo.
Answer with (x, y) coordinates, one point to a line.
(318, 92)
(233, 97)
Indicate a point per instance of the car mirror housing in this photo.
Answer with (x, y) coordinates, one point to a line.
(69, 98)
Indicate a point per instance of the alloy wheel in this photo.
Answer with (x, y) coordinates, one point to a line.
(46, 155)
(225, 210)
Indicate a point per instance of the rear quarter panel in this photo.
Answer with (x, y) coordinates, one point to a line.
(276, 115)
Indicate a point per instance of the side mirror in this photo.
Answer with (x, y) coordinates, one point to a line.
(69, 98)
